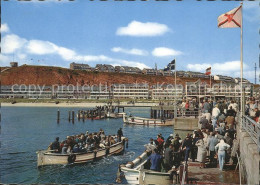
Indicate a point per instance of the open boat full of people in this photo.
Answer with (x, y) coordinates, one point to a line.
(81, 149)
(134, 120)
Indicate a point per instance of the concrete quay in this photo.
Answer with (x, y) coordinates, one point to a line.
(208, 175)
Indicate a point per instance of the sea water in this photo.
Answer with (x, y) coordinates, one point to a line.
(24, 130)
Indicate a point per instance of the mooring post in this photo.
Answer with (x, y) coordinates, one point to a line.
(58, 116)
(73, 114)
(69, 115)
(83, 116)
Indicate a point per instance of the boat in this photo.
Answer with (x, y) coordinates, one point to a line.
(136, 172)
(134, 120)
(48, 157)
(114, 115)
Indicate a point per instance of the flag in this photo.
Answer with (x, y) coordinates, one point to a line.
(208, 71)
(231, 19)
(166, 68)
(170, 66)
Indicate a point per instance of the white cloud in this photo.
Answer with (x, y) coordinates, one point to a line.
(39, 47)
(21, 56)
(230, 68)
(132, 64)
(22, 48)
(4, 60)
(65, 53)
(11, 43)
(133, 51)
(163, 52)
(4, 28)
(139, 29)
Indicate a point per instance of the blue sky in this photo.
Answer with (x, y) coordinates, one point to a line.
(129, 33)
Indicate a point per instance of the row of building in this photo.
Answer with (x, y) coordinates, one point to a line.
(124, 91)
(150, 71)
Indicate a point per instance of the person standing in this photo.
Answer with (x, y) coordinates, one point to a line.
(215, 114)
(119, 134)
(212, 142)
(156, 160)
(221, 151)
(187, 145)
(168, 158)
(204, 122)
(202, 152)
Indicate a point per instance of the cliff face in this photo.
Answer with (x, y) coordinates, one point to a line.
(44, 75)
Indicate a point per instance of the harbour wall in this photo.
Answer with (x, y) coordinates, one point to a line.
(250, 157)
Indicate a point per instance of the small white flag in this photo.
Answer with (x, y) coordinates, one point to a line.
(231, 19)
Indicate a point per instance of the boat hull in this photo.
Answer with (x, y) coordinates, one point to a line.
(45, 157)
(146, 121)
(135, 173)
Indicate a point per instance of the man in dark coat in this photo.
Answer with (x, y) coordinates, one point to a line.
(56, 145)
(119, 134)
(168, 158)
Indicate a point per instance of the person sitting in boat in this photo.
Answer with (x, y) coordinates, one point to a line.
(90, 139)
(151, 146)
(82, 148)
(112, 141)
(75, 148)
(55, 146)
(102, 134)
(156, 160)
(64, 148)
(119, 134)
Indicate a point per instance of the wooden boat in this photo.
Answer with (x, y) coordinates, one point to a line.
(135, 172)
(47, 157)
(114, 115)
(146, 121)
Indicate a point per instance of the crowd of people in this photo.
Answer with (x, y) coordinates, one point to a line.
(85, 142)
(214, 141)
(202, 146)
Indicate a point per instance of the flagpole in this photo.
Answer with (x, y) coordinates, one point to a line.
(241, 61)
(175, 102)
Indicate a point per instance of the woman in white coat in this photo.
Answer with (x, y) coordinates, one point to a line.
(202, 152)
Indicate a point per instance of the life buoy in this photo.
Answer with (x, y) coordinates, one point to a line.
(71, 158)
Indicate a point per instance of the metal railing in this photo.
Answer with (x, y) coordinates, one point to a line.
(188, 113)
(252, 128)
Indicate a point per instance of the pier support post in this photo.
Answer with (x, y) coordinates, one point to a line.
(73, 116)
(83, 114)
(69, 115)
(58, 116)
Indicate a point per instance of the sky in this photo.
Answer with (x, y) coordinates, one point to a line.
(135, 33)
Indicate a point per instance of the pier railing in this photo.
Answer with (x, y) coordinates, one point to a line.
(188, 113)
(252, 128)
